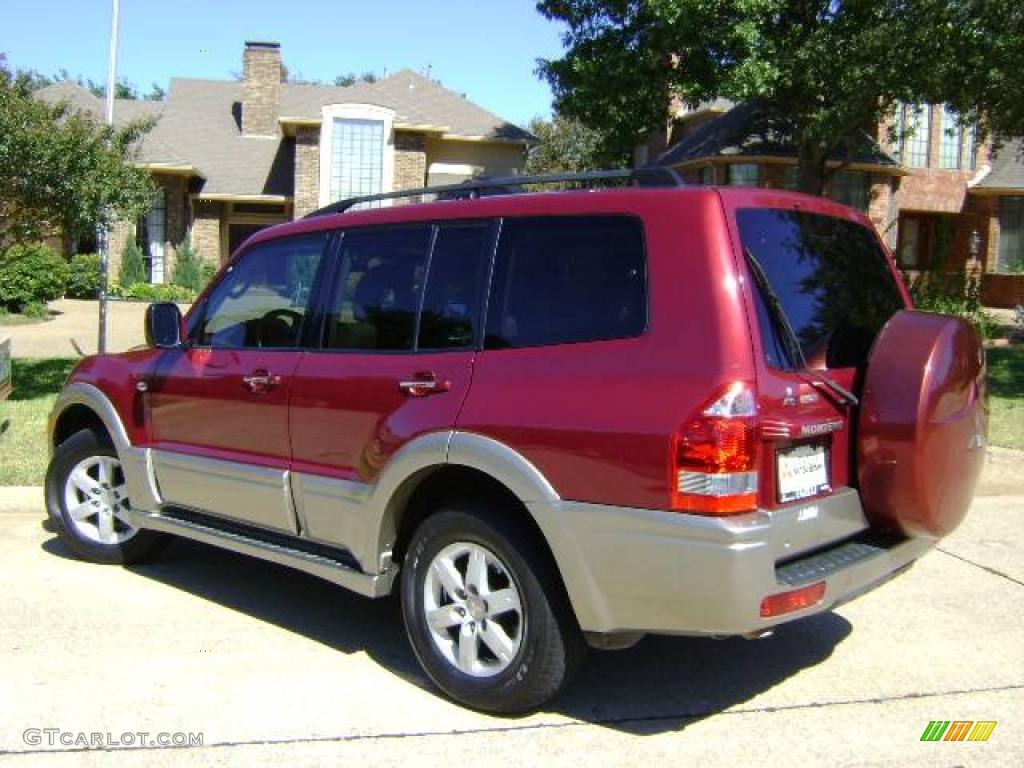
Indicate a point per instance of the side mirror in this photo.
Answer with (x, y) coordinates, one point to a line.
(163, 325)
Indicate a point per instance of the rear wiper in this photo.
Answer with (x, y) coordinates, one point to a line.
(789, 338)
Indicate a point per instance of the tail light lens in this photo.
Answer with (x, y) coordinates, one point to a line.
(714, 456)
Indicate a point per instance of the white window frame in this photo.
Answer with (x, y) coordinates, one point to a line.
(332, 112)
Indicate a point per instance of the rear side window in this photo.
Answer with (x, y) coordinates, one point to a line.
(560, 280)
(832, 282)
(451, 299)
(378, 289)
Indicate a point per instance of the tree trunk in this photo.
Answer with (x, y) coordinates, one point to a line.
(811, 171)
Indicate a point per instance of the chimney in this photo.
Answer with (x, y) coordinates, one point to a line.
(261, 89)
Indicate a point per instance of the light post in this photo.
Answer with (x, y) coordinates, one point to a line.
(104, 235)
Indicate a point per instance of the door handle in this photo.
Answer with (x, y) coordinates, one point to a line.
(424, 383)
(261, 381)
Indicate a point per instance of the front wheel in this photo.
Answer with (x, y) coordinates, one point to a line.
(485, 613)
(87, 494)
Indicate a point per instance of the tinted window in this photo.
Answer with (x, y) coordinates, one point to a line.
(567, 279)
(831, 278)
(378, 288)
(452, 296)
(261, 300)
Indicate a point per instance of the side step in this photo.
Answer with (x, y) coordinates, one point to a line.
(334, 566)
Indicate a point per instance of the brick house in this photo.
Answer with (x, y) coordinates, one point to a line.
(941, 199)
(231, 157)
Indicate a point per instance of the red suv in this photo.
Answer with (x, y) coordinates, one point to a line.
(550, 420)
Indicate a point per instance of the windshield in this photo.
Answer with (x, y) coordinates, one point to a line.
(830, 280)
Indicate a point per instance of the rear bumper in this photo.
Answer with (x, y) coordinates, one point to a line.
(630, 570)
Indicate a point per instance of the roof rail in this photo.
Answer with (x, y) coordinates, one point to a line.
(652, 176)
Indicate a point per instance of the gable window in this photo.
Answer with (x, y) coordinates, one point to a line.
(743, 175)
(357, 158)
(951, 139)
(357, 152)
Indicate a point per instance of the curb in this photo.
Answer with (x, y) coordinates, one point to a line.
(21, 499)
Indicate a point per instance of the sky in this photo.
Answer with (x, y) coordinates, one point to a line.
(486, 49)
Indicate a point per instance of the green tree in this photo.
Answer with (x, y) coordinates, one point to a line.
(821, 69)
(352, 78)
(566, 146)
(61, 170)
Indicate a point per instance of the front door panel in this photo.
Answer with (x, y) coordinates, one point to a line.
(221, 443)
(218, 407)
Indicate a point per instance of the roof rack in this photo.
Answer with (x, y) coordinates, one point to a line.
(468, 190)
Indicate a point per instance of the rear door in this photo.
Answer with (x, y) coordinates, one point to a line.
(819, 289)
(218, 406)
(394, 361)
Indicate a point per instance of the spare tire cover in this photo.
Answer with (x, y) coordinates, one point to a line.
(922, 426)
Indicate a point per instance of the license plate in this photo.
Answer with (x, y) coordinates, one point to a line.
(802, 472)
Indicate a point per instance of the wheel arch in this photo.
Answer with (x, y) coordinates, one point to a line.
(80, 406)
(476, 465)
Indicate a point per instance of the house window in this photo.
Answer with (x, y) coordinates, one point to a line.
(918, 124)
(790, 179)
(706, 175)
(898, 127)
(951, 139)
(151, 234)
(1011, 235)
(357, 158)
(743, 175)
(851, 188)
(971, 147)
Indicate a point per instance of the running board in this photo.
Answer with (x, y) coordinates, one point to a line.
(249, 543)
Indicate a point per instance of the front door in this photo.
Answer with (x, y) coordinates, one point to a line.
(218, 407)
(394, 363)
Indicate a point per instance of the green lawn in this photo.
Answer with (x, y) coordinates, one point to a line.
(23, 452)
(1006, 396)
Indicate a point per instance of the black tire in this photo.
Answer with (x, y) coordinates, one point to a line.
(551, 646)
(84, 446)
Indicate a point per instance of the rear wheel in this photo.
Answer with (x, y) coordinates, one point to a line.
(486, 616)
(87, 493)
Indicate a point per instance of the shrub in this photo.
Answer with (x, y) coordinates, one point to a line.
(84, 276)
(158, 292)
(37, 310)
(951, 293)
(133, 266)
(31, 274)
(188, 267)
(208, 271)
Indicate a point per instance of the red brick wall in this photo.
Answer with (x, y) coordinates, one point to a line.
(1006, 291)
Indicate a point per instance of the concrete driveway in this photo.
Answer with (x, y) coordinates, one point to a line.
(276, 668)
(74, 327)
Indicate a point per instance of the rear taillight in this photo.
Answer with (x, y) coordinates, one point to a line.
(714, 456)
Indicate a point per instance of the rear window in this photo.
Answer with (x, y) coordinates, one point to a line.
(559, 280)
(831, 279)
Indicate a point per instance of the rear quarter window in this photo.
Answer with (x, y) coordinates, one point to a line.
(561, 280)
(832, 279)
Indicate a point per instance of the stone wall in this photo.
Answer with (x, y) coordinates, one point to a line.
(206, 224)
(307, 170)
(410, 162)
